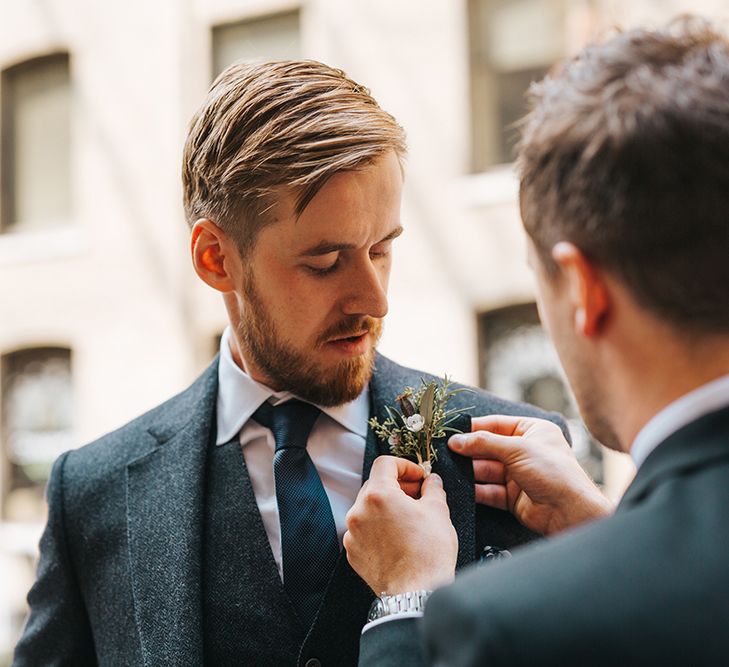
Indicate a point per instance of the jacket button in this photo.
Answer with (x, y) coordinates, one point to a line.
(313, 662)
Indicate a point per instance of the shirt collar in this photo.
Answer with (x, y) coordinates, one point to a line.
(701, 401)
(239, 396)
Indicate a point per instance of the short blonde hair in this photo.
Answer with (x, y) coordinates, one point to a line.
(270, 124)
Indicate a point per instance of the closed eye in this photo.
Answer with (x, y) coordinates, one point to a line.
(377, 253)
(323, 270)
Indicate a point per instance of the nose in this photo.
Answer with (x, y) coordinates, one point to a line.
(366, 291)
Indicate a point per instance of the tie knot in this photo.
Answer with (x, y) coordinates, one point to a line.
(290, 422)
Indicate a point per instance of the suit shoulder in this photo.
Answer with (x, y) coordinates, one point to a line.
(584, 594)
(137, 437)
(478, 401)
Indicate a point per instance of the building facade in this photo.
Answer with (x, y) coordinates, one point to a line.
(101, 315)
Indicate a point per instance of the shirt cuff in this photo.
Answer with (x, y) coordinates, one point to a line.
(392, 617)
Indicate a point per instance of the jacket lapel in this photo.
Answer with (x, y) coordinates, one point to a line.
(387, 382)
(165, 490)
(458, 482)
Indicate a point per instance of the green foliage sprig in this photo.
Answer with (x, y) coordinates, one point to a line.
(421, 416)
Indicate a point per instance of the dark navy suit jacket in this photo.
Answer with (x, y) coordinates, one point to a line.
(648, 586)
(120, 573)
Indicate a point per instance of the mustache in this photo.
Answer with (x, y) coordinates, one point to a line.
(351, 326)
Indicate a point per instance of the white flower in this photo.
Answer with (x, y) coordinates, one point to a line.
(415, 422)
(393, 440)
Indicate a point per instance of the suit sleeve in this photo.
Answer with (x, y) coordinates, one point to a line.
(460, 628)
(57, 631)
(396, 643)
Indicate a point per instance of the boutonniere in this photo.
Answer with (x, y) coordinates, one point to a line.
(421, 415)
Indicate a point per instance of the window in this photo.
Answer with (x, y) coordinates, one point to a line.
(37, 411)
(519, 363)
(36, 144)
(512, 43)
(274, 37)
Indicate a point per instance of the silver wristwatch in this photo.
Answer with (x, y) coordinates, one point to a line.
(387, 605)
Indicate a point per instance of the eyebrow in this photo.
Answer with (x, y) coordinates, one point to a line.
(325, 247)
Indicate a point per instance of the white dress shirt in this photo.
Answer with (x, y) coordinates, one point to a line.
(336, 444)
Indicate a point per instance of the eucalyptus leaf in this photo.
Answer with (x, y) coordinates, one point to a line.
(395, 416)
(426, 403)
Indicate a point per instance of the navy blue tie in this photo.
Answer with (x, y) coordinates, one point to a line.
(309, 543)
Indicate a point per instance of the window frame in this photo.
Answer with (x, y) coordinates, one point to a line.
(8, 223)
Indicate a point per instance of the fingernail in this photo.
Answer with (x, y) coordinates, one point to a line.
(435, 479)
(456, 442)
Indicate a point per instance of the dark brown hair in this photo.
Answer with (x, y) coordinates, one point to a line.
(269, 124)
(625, 153)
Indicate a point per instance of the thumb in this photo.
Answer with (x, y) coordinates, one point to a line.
(389, 469)
(433, 488)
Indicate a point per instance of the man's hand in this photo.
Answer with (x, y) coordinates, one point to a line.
(527, 467)
(396, 542)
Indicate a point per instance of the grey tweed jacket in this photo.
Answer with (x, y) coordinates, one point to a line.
(119, 579)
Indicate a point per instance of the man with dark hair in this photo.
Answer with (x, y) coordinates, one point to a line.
(209, 530)
(624, 168)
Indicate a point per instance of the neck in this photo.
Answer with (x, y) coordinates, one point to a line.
(241, 360)
(237, 349)
(657, 371)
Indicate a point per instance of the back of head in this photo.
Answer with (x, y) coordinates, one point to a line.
(625, 153)
(267, 125)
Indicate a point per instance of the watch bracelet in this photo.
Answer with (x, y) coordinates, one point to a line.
(404, 602)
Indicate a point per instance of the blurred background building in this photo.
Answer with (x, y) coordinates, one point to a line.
(101, 315)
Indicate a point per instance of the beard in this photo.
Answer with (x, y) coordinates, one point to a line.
(289, 369)
(597, 423)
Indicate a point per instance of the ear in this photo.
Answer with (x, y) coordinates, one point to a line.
(213, 255)
(587, 289)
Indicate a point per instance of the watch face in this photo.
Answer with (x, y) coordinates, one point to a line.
(377, 610)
